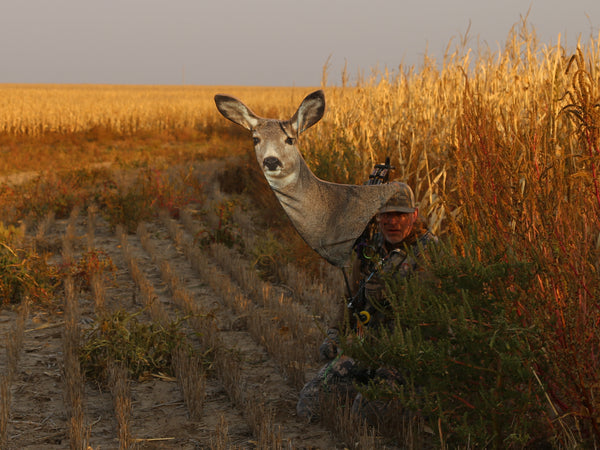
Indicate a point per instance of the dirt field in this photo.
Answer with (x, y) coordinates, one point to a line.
(252, 408)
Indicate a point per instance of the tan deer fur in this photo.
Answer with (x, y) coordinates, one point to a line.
(328, 216)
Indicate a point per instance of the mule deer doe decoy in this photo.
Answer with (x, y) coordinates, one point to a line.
(328, 216)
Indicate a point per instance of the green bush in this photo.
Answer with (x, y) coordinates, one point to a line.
(466, 362)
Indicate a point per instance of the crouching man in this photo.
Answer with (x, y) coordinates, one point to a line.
(395, 251)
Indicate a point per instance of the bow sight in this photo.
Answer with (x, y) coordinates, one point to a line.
(381, 172)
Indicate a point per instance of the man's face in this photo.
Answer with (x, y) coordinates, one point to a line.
(396, 226)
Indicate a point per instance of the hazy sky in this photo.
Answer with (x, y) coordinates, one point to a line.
(256, 42)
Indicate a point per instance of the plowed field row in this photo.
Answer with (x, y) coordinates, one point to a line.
(261, 338)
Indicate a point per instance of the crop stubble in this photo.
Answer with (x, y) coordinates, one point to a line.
(248, 400)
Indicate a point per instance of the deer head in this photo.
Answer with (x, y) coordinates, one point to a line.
(328, 216)
(275, 140)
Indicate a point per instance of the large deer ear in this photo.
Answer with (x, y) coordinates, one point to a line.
(310, 112)
(234, 110)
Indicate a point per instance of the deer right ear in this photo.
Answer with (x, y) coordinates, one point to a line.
(234, 110)
(310, 112)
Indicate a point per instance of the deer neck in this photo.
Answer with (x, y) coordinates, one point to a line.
(329, 216)
(307, 201)
(298, 191)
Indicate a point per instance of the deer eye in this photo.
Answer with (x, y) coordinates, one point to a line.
(256, 140)
(289, 141)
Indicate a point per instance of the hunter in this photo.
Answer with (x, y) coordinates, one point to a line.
(396, 250)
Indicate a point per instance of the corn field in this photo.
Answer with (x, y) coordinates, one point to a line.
(36, 110)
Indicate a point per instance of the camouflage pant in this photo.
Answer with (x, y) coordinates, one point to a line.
(338, 378)
(335, 377)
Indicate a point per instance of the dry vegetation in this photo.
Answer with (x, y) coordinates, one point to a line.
(130, 215)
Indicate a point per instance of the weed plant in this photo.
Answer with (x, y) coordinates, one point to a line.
(222, 230)
(146, 349)
(91, 263)
(23, 272)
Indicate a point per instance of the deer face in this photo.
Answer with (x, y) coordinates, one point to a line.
(276, 151)
(275, 140)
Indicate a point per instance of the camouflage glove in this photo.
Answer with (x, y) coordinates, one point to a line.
(330, 347)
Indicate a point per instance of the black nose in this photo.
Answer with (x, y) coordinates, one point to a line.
(271, 163)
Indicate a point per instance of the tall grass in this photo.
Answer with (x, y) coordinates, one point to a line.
(503, 153)
(416, 118)
(526, 178)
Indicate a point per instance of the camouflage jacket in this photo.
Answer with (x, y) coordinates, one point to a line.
(375, 265)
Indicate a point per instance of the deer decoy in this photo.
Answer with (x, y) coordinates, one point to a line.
(328, 216)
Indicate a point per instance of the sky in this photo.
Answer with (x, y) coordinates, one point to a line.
(259, 42)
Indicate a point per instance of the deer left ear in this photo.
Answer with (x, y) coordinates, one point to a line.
(310, 112)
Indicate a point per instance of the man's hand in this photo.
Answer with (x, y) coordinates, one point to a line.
(330, 347)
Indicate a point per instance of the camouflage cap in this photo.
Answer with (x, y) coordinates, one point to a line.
(402, 201)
